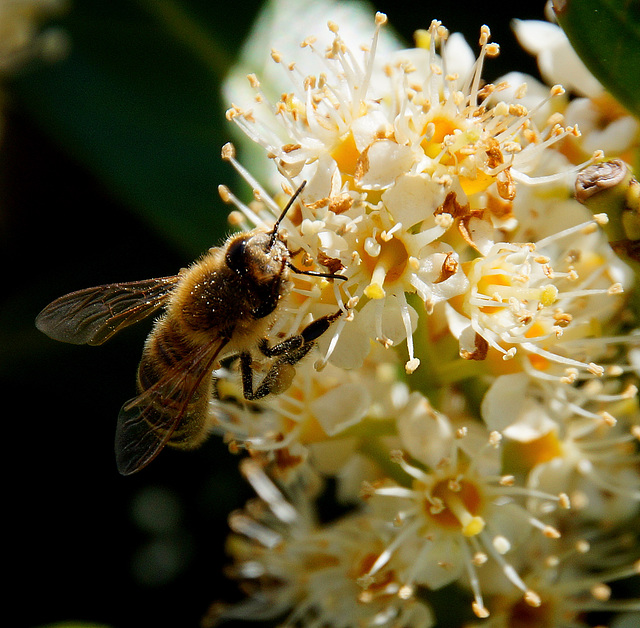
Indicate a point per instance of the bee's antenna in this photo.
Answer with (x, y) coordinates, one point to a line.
(292, 200)
(274, 233)
(313, 273)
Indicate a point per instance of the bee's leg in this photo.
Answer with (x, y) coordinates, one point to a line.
(288, 353)
(278, 377)
(227, 361)
(308, 335)
(225, 364)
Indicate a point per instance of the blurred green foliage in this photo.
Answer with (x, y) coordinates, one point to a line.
(606, 36)
(137, 100)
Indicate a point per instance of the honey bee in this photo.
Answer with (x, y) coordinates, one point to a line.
(222, 305)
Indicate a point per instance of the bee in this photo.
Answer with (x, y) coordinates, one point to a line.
(223, 305)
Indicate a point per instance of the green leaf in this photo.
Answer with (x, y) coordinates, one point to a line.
(606, 36)
(137, 101)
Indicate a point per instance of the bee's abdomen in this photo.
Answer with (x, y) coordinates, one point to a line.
(164, 366)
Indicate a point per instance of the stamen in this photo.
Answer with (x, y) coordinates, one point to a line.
(381, 20)
(477, 605)
(228, 197)
(508, 569)
(268, 491)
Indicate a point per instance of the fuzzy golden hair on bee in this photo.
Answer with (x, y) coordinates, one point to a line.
(222, 305)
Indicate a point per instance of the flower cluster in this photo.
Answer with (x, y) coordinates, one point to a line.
(476, 403)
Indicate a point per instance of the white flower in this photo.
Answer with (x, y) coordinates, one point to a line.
(575, 578)
(323, 417)
(604, 124)
(557, 60)
(541, 301)
(279, 27)
(311, 573)
(316, 407)
(395, 149)
(562, 440)
(458, 515)
(447, 206)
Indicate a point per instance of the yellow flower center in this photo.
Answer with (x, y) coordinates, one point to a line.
(477, 184)
(346, 155)
(487, 285)
(385, 268)
(437, 129)
(378, 585)
(523, 615)
(501, 282)
(455, 504)
(297, 403)
(524, 456)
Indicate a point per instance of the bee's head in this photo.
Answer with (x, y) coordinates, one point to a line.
(263, 256)
(262, 269)
(256, 256)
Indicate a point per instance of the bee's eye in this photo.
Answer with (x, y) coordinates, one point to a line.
(235, 258)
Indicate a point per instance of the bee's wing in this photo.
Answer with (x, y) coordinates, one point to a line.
(147, 422)
(93, 315)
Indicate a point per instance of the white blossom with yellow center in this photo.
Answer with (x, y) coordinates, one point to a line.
(562, 439)
(544, 302)
(458, 515)
(322, 417)
(309, 573)
(576, 577)
(604, 124)
(315, 408)
(423, 184)
(394, 151)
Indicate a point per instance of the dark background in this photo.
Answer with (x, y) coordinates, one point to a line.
(85, 543)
